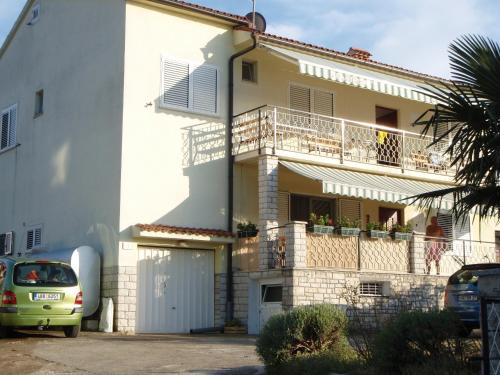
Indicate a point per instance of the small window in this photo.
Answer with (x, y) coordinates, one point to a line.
(249, 71)
(371, 289)
(34, 238)
(35, 14)
(272, 293)
(8, 126)
(39, 103)
(44, 273)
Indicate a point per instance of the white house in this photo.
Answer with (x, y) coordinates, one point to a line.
(149, 129)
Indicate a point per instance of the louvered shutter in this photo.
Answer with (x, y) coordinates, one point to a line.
(8, 243)
(350, 209)
(175, 84)
(445, 221)
(37, 237)
(205, 89)
(300, 98)
(323, 103)
(3, 238)
(283, 207)
(29, 239)
(4, 140)
(12, 126)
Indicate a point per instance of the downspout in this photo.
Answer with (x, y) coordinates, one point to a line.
(230, 176)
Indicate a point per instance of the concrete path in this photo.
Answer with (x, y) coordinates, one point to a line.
(98, 353)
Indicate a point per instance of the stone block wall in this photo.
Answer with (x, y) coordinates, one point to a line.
(220, 299)
(120, 284)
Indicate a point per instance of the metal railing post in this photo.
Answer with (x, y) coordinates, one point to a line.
(403, 152)
(359, 251)
(275, 119)
(463, 250)
(342, 140)
(260, 131)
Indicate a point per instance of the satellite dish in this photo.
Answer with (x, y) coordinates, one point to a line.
(260, 21)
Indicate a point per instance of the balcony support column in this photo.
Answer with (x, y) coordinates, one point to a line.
(268, 207)
(417, 254)
(296, 245)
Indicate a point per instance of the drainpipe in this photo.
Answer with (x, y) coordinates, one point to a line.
(230, 175)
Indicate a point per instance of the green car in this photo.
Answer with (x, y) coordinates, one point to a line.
(39, 294)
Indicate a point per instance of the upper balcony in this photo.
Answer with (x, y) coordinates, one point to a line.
(310, 136)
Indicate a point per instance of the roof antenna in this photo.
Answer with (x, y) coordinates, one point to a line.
(253, 13)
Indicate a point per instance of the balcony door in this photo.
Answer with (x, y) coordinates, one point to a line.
(387, 141)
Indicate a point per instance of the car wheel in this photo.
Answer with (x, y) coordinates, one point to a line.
(5, 332)
(71, 331)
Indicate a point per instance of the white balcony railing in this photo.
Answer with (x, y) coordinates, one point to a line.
(346, 140)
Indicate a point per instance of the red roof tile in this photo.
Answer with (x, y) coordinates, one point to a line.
(184, 230)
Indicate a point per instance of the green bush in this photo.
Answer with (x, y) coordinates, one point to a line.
(307, 333)
(413, 340)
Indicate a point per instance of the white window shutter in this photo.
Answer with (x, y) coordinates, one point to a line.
(4, 136)
(8, 243)
(445, 221)
(323, 103)
(300, 98)
(38, 237)
(12, 125)
(175, 84)
(461, 229)
(29, 239)
(205, 89)
(350, 209)
(283, 207)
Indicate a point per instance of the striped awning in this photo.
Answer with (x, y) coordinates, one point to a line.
(352, 75)
(365, 185)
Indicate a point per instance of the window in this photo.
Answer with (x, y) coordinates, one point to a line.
(371, 289)
(306, 99)
(249, 71)
(389, 217)
(272, 293)
(190, 87)
(39, 103)
(6, 243)
(35, 14)
(351, 209)
(8, 127)
(453, 229)
(46, 274)
(34, 238)
(301, 207)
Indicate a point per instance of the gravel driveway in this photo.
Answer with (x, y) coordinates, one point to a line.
(97, 353)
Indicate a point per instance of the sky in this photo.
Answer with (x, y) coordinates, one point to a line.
(414, 34)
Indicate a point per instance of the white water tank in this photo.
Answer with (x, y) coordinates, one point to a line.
(86, 263)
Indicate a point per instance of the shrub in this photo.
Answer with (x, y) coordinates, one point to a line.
(302, 332)
(413, 340)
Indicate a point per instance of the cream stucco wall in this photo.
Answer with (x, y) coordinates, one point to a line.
(174, 167)
(65, 173)
(275, 75)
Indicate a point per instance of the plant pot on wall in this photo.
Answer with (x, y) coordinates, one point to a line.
(320, 229)
(373, 233)
(347, 231)
(401, 236)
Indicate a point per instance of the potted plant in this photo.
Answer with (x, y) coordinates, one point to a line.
(247, 230)
(347, 227)
(320, 224)
(376, 230)
(402, 232)
(235, 327)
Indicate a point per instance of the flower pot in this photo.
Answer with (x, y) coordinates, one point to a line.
(235, 330)
(247, 233)
(346, 231)
(373, 233)
(320, 229)
(400, 236)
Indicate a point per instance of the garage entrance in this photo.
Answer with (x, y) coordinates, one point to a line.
(175, 290)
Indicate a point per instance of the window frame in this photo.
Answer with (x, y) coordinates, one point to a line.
(192, 65)
(35, 18)
(34, 244)
(39, 103)
(10, 144)
(332, 201)
(255, 74)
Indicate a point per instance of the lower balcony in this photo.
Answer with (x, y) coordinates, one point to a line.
(292, 246)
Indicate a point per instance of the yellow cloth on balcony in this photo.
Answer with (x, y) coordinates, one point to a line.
(381, 136)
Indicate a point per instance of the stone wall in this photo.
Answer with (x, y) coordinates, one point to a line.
(120, 284)
(220, 299)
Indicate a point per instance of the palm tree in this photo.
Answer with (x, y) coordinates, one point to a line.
(470, 104)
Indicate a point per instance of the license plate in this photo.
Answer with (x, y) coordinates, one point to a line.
(467, 298)
(46, 296)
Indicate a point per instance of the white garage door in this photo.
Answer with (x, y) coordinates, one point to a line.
(175, 290)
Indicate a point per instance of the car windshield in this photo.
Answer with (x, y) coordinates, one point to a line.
(464, 277)
(47, 274)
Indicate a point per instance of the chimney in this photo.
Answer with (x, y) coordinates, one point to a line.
(359, 53)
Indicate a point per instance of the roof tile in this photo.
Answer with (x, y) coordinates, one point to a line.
(184, 230)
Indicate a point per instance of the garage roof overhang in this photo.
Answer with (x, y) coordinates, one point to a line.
(167, 232)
